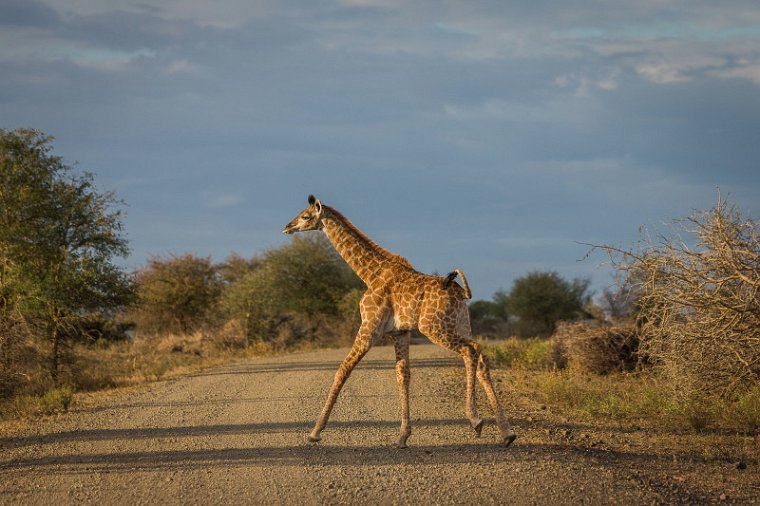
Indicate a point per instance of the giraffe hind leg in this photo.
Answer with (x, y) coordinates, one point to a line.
(469, 355)
(484, 376)
(402, 376)
(470, 365)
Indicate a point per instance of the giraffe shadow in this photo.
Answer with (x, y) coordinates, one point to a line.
(321, 454)
(78, 436)
(371, 364)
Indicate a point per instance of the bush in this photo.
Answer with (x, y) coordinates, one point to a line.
(293, 292)
(700, 306)
(595, 349)
(179, 294)
(56, 399)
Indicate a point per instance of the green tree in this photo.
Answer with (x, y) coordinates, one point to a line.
(305, 278)
(235, 267)
(178, 294)
(484, 310)
(544, 298)
(58, 238)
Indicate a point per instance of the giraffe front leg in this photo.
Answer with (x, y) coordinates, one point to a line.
(371, 327)
(358, 350)
(403, 375)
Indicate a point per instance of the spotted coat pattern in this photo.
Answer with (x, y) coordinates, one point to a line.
(399, 299)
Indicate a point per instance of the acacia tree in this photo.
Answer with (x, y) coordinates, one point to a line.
(544, 298)
(58, 238)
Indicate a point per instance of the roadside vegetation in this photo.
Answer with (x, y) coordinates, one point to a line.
(72, 321)
(676, 344)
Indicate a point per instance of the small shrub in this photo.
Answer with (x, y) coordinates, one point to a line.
(231, 336)
(596, 350)
(56, 399)
(746, 410)
(182, 343)
(557, 352)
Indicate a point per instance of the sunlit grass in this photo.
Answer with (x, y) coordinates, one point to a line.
(106, 365)
(639, 397)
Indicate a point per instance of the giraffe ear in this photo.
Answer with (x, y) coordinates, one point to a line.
(318, 206)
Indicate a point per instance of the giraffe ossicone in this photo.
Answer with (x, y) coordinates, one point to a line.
(398, 300)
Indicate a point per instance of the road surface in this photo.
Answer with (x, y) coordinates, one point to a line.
(236, 435)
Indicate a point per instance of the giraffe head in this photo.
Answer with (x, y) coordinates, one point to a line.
(308, 219)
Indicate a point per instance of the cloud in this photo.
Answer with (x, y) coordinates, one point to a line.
(744, 70)
(584, 85)
(662, 73)
(485, 119)
(27, 13)
(181, 66)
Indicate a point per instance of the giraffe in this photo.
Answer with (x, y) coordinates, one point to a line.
(399, 299)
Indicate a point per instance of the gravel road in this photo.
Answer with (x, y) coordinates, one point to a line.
(236, 435)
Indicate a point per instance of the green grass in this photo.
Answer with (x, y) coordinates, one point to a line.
(531, 354)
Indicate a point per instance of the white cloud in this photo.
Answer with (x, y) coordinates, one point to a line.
(574, 111)
(662, 73)
(584, 84)
(181, 66)
(105, 59)
(745, 70)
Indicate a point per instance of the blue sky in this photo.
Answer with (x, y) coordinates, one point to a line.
(493, 136)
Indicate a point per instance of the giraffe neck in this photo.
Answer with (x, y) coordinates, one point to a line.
(362, 254)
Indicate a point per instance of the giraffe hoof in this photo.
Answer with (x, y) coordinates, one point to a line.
(509, 439)
(401, 445)
(478, 426)
(313, 439)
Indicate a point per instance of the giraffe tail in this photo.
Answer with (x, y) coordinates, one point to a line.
(451, 276)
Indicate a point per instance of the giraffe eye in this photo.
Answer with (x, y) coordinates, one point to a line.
(305, 217)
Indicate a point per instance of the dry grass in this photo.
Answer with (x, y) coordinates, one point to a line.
(105, 365)
(642, 397)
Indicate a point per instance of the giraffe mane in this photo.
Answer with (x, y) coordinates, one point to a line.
(369, 242)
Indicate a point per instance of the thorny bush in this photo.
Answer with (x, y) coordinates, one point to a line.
(699, 303)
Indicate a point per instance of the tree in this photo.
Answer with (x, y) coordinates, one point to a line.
(235, 267)
(58, 238)
(305, 278)
(544, 298)
(490, 317)
(178, 294)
